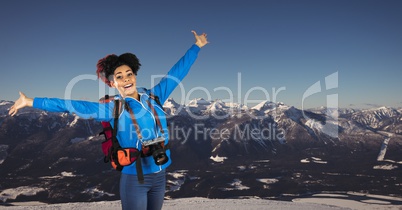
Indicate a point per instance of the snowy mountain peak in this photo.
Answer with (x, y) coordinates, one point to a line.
(172, 107)
(170, 103)
(4, 106)
(264, 105)
(2, 102)
(268, 105)
(382, 112)
(198, 102)
(218, 104)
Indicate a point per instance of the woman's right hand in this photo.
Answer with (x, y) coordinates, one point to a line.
(22, 102)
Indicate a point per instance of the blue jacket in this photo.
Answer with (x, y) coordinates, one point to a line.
(127, 135)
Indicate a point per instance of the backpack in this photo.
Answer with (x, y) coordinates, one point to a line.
(114, 153)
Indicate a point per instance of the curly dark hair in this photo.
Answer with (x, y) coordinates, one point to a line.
(107, 65)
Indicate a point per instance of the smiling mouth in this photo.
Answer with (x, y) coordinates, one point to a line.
(128, 86)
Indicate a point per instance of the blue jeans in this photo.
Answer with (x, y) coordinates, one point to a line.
(147, 196)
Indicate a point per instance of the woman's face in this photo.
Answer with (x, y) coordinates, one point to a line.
(125, 81)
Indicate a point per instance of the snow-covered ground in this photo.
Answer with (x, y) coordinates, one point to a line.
(317, 202)
(188, 203)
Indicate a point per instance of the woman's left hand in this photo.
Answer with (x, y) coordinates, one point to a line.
(200, 40)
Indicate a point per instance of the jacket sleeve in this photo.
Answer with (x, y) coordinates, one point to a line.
(176, 74)
(84, 109)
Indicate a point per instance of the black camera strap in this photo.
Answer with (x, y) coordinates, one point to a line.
(158, 122)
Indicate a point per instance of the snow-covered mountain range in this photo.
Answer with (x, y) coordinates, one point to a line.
(219, 150)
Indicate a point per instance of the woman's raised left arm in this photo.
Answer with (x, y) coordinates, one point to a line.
(177, 73)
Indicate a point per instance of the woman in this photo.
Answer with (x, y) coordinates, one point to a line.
(120, 72)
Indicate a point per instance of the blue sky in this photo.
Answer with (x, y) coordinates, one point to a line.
(256, 48)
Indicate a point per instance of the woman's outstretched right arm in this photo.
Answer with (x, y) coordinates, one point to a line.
(83, 109)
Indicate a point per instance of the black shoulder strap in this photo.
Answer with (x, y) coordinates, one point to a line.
(156, 99)
(116, 118)
(158, 122)
(115, 142)
(138, 164)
